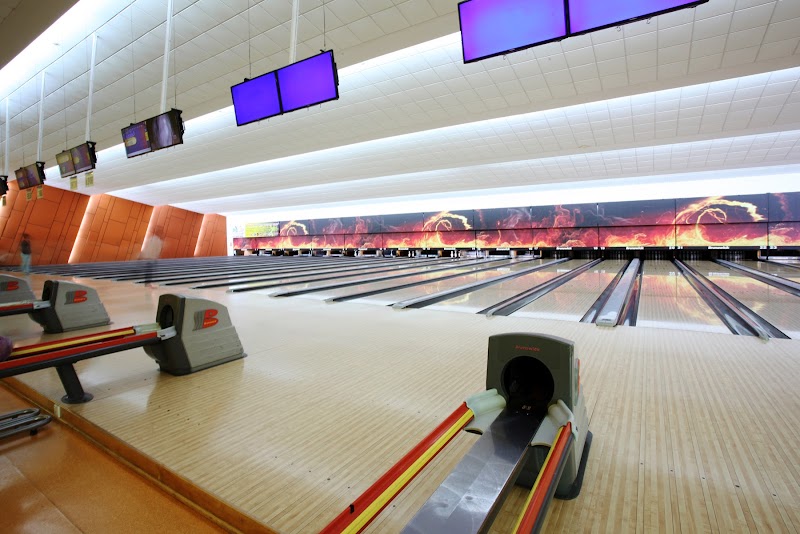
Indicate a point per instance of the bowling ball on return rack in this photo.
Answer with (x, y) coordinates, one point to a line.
(6, 346)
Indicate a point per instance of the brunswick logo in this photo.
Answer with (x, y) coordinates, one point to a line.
(76, 297)
(205, 319)
(9, 286)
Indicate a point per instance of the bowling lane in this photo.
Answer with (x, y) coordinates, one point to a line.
(483, 298)
(390, 297)
(667, 300)
(784, 271)
(321, 266)
(571, 301)
(317, 278)
(780, 308)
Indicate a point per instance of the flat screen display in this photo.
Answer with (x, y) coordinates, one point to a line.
(256, 99)
(493, 27)
(135, 139)
(165, 130)
(590, 15)
(65, 165)
(308, 82)
(22, 178)
(35, 173)
(83, 157)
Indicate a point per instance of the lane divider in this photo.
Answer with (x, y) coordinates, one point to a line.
(535, 508)
(370, 503)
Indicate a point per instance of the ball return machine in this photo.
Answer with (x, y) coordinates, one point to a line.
(64, 305)
(190, 334)
(533, 430)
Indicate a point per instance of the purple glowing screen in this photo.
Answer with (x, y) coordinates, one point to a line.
(136, 140)
(256, 99)
(308, 82)
(65, 165)
(588, 15)
(493, 27)
(82, 158)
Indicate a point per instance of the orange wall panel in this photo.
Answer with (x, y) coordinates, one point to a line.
(113, 229)
(50, 221)
(213, 236)
(177, 228)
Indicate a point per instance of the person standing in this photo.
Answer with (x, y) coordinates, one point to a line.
(25, 253)
(150, 253)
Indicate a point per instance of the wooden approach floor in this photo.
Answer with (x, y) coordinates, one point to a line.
(693, 431)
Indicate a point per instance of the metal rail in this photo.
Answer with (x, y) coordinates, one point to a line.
(736, 316)
(427, 300)
(769, 279)
(512, 304)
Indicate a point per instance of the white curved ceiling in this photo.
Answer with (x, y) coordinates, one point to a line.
(711, 88)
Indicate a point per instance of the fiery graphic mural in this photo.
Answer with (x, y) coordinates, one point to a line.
(404, 240)
(566, 237)
(564, 216)
(407, 222)
(363, 241)
(504, 239)
(462, 239)
(502, 219)
(638, 236)
(711, 221)
(721, 210)
(448, 221)
(784, 207)
(637, 213)
(740, 235)
(327, 241)
(291, 228)
(338, 226)
(786, 234)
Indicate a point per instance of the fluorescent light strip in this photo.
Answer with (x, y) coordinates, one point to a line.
(714, 183)
(70, 29)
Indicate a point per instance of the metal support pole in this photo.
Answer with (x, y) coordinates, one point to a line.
(165, 71)
(293, 37)
(8, 141)
(90, 99)
(41, 119)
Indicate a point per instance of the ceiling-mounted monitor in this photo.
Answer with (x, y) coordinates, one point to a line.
(256, 99)
(65, 165)
(165, 130)
(494, 27)
(136, 140)
(83, 157)
(31, 175)
(22, 178)
(308, 82)
(590, 15)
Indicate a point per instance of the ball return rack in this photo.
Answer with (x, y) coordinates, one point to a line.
(64, 305)
(191, 334)
(533, 429)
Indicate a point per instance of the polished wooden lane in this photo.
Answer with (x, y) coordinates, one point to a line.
(571, 301)
(667, 300)
(779, 307)
(693, 432)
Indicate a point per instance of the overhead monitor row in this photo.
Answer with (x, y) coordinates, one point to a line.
(155, 133)
(79, 159)
(31, 175)
(494, 27)
(299, 85)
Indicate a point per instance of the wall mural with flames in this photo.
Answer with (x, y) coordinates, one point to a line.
(740, 221)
